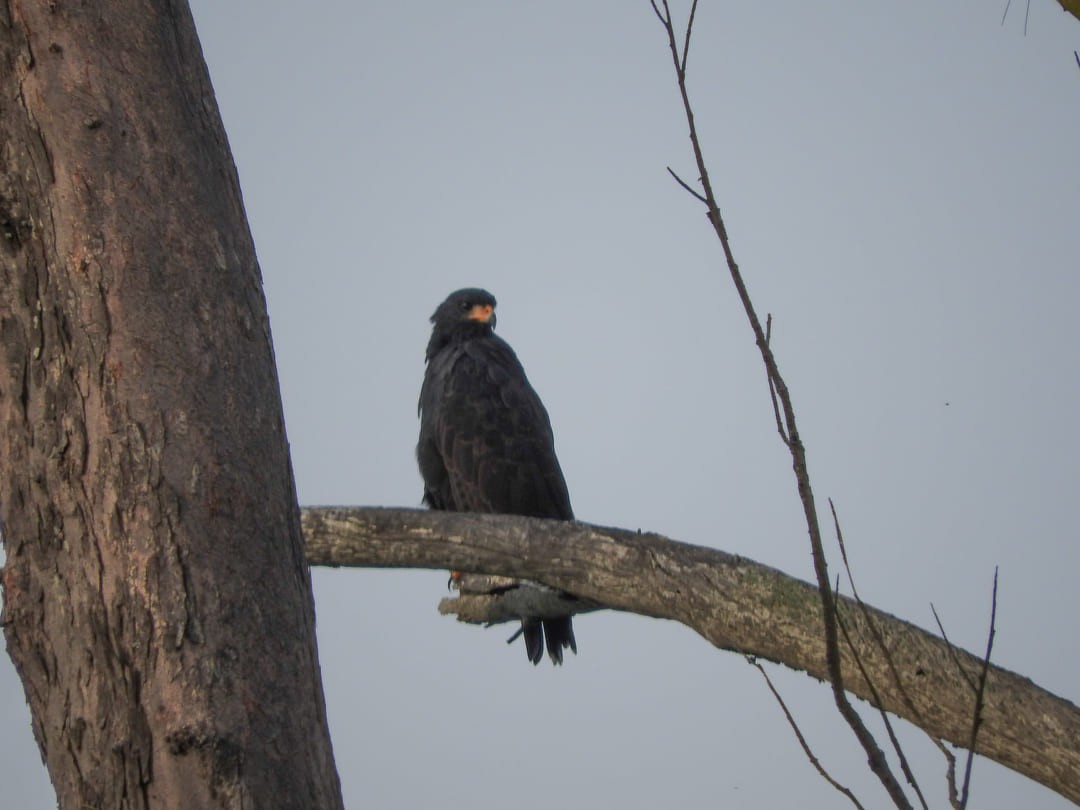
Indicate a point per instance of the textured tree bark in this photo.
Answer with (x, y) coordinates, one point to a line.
(156, 600)
(734, 603)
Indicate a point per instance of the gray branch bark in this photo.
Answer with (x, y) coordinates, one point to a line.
(734, 603)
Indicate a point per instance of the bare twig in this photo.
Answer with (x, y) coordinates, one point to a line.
(976, 721)
(802, 740)
(950, 775)
(952, 649)
(689, 29)
(875, 630)
(1027, 12)
(772, 388)
(905, 766)
(687, 186)
(659, 15)
(875, 757)
(955, 799)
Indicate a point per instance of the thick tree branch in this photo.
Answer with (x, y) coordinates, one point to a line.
(736, 604)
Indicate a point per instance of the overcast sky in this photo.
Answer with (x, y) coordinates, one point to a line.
(901, 188)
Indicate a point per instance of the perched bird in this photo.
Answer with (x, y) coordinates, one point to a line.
(485, 438)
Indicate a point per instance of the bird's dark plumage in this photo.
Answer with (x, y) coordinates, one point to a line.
(485, 437)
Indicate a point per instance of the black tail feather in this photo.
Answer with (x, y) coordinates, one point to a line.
(534, 640)
(560, 635)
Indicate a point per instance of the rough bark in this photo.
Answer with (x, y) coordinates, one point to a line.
(734, 603)
(156, 601)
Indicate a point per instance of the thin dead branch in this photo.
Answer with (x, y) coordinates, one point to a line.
(875, 756)
(980, 693)
(689, 30)
(945, 638)
(950, 758)
(772, 388)
(905, 766)
(802, 740)
(686, 186)
(875, 631)
(950, 775)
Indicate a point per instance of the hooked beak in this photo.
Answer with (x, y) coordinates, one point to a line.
(482, 313)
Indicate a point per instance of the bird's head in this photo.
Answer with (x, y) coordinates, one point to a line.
(464, 314)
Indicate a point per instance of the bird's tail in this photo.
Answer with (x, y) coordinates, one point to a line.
(559, 634)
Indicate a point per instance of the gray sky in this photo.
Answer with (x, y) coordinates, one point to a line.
(901, 187)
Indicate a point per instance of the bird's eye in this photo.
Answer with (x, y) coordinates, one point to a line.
(466, 306)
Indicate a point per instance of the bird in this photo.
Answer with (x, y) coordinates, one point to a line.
(486, 443)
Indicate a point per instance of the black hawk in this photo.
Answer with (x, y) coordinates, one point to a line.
(485, 437)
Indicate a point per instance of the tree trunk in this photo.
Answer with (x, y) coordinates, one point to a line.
(156, 600)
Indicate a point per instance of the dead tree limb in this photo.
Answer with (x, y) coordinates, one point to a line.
(737, 605)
